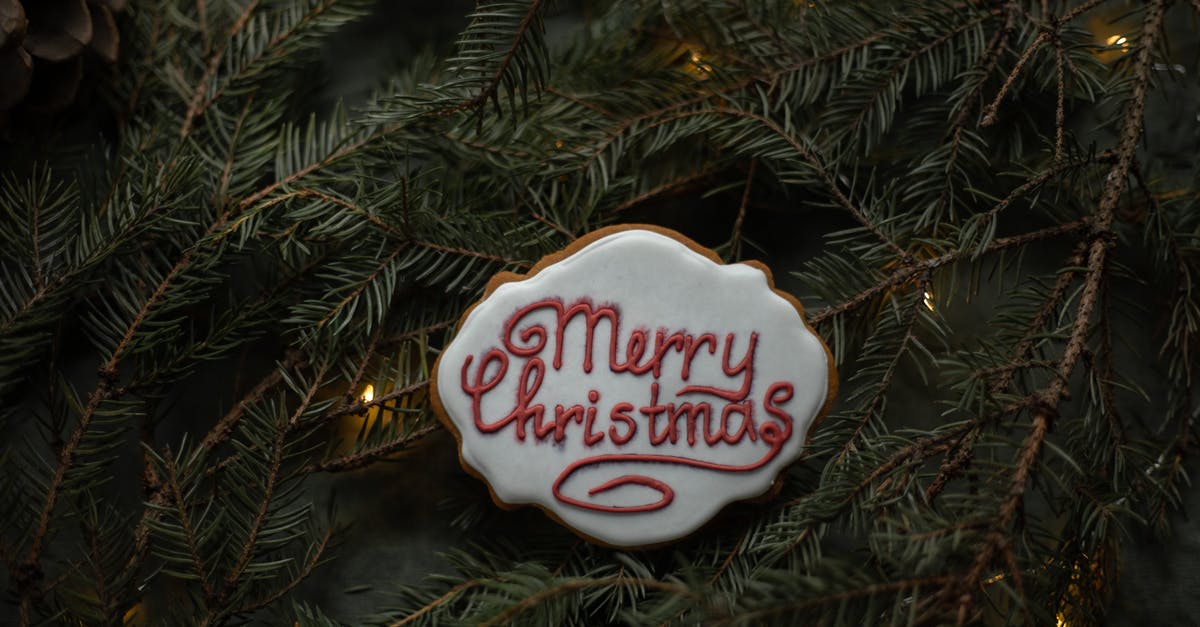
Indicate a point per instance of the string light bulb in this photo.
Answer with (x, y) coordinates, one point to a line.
(1118, 40)
(928, 299)
(368, 394)
(698, 68)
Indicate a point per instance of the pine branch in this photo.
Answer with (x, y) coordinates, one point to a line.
(224, 428)
(271, 481)
(197, 106)
(835, 598)
(735, 240)
(825, 176)
(436, 603)
(960, 455)
(369, 455)
(190, 537)
(490, 91)
(677, 185)
(315, 558)
(920, 268)
(573, 585)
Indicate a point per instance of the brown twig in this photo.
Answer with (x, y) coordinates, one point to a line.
(1060, 114)
(361, 407)
(989, 116)
(735, 245)
(221, 431)
(408, 336)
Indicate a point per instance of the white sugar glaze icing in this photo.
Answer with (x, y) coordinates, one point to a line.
(712, 345)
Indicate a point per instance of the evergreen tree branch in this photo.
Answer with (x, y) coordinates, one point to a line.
(869, 408)
(105, 390)
(900, 68)
(362, 286)
(833, 598)
(958, 457)
(1060, 109)
(436, 603)
(989, 113)
(224, 427)
(826, 177)
(574, 585)
(267, 51)
(369, 455)
(271, 481)
(919, 268)
(1049, 397)
(490, 90)
(676, 185)
(190, 537)
(315, 558)
(1079, 9)
(987, 64)
(407, 336)
(361, 407)
(196, 105)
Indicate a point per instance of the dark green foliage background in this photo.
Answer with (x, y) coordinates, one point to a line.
(270, 203)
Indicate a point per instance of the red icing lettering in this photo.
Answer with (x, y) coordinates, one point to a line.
(745, 368)
(481, 387)
(526, 337)
(620, 412)
(691, 345)
(590, 437)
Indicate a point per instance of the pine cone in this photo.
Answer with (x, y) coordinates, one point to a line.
(42, 45)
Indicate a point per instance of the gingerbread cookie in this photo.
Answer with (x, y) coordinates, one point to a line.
(632, 385)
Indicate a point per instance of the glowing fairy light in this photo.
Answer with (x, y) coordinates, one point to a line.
(1118, 41)
(368, 394)
(929, 300)
(698, 68)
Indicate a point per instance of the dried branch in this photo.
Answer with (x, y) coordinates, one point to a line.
(1048, 398)
(989, 115)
